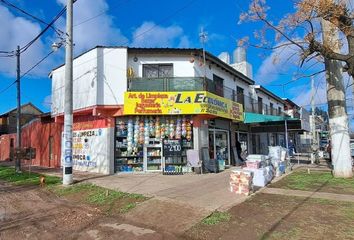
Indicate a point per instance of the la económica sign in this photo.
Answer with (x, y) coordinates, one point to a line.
(172, 103)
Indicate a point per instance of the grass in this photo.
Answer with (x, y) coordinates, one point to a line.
(217, 217)
(8, 174)
(85, 192)
(127, 207)
(95, 195)
(316, 180)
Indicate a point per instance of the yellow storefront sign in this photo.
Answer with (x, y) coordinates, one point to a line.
(173, 103)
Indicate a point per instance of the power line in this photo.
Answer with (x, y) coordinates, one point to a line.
(58, 31)
(28, 71)
(34, 66)
(143, 33)
(23, 49)
(8, 87)
(96, 16)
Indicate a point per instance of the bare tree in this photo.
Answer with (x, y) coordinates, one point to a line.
(320, 29)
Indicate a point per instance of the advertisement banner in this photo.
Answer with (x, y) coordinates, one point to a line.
(173, 103)
(89, 148)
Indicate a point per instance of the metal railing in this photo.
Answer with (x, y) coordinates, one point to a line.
(253, 106)
(176, 84)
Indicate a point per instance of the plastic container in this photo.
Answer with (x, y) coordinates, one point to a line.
(221, 165)
(282, 167)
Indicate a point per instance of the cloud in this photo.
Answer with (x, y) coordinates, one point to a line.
(148, 34)
(19, 31)
(278, 62)
(303, 94)
(92, 26)
(47, 102)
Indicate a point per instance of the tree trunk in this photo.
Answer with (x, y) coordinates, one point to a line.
(338, 118)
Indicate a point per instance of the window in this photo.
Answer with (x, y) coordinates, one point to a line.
(260, 105)
(240, 96)
(157, 70)
(219, 85)
(279, 111)
(271, 108)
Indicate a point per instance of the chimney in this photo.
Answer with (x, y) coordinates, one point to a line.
(225, 57)
(240, 62)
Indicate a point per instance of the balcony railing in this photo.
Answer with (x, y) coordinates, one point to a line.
(177, 84)
(181, 84)
(253, 106)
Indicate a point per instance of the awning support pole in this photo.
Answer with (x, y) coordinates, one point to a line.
(286, 135)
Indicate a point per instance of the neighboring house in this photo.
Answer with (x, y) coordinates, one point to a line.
(301, 137)
(8, 128)
(8, 120)
(41, 134)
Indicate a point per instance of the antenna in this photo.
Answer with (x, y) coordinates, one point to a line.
(203, 38)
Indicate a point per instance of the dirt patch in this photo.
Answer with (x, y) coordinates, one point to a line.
(34, 213)
(168, 216)
(267, 216)
(321, 181)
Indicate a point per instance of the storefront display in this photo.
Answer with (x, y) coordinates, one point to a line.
(219, 145)
(139, 142)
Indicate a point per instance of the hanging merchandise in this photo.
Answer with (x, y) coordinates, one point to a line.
(189, 130)
(141, 132)
(121, 129)
(152, 127)
(136, 131)
(167, 128)
(178, 128)
(163, 130)
(184, 131)
(172, 132)
(157, 128)
(130, 136)
(146, 131)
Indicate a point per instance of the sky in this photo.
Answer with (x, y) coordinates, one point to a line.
(134, 23)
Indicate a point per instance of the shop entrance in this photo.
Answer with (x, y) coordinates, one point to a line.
(219, 147)
(256, 144)
(242, 137)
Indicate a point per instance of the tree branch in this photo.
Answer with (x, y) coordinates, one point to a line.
(277, 30)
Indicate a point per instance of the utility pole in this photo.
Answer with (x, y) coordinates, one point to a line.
(68, 99)
(338, 118)
(18, 115)
(313, 125)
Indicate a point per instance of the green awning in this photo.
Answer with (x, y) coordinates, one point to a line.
(260, 118)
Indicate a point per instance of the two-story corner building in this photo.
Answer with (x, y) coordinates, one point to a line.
(128, 100)
(141, 109)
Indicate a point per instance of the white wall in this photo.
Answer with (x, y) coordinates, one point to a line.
(92, 150)
(112, 77)
(99, 78)
(84, 83)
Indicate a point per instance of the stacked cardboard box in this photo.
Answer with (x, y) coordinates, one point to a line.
(253, 165)
(241, 181)
(261, 176)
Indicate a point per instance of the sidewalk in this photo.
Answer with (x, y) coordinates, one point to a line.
(309, 194)
(207, 191)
